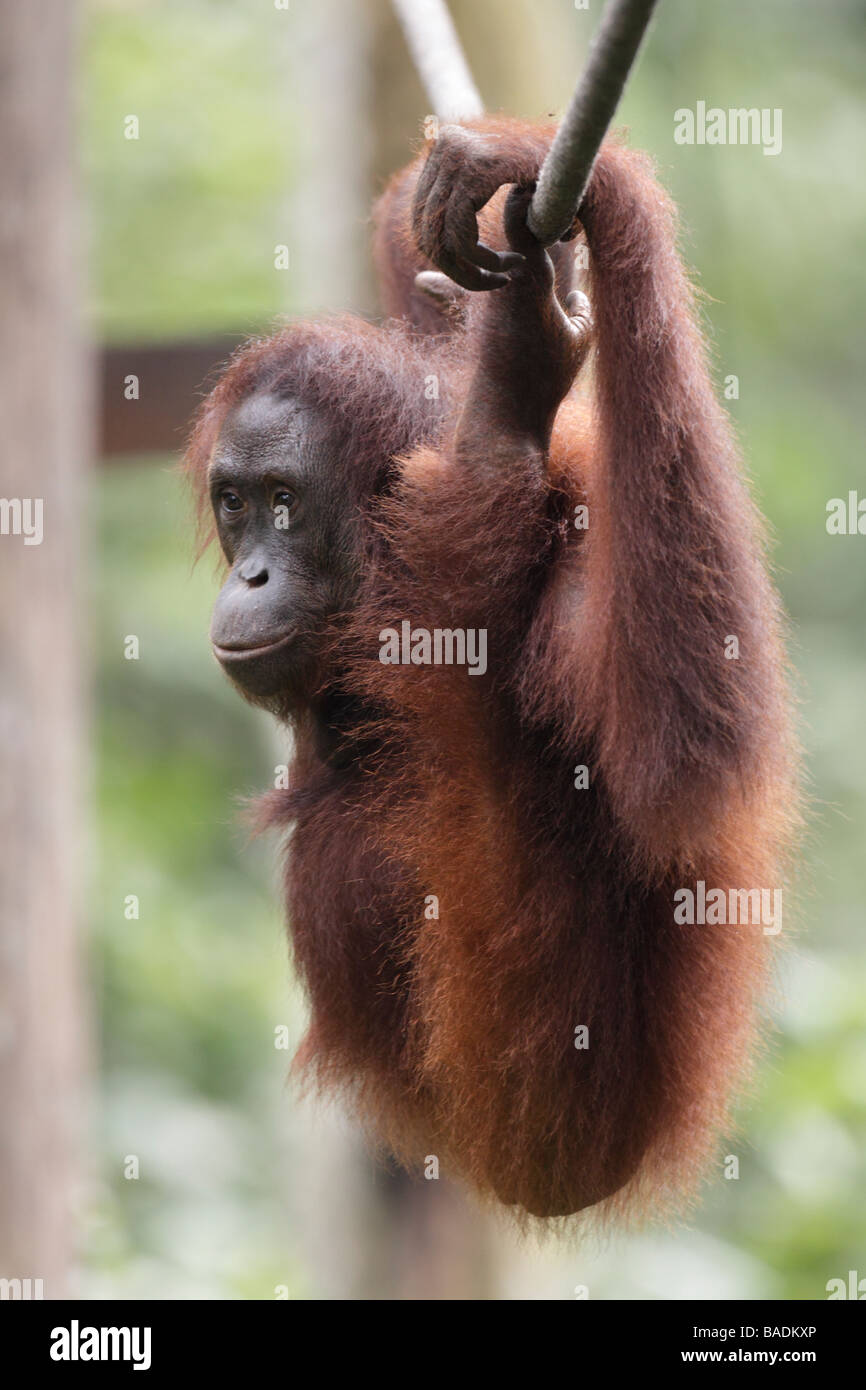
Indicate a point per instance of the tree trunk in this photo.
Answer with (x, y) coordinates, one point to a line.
(44, 406)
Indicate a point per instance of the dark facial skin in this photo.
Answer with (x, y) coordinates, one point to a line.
(286, 528)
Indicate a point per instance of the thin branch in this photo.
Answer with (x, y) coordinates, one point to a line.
(437, 55)
(566, 170)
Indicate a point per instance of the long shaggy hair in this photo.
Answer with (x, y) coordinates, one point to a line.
(460, 906)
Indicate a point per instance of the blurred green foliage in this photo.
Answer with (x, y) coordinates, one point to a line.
(190, 993)
(177, 211)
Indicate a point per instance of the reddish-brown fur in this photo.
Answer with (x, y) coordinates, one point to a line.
(454, 1034)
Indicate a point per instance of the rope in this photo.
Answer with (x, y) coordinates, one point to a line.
(437, 55)
(566, 170)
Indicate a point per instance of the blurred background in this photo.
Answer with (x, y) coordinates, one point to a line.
(150, 1145)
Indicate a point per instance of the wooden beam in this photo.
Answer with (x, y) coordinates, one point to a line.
(171, 379)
